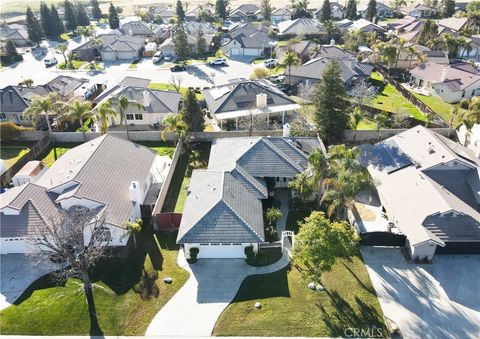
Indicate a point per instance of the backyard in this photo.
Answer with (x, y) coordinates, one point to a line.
(12, 153)
(442, 108)
(290, 308)
(122, 306)
(177, 192)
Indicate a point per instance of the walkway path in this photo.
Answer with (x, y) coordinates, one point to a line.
(213, 283)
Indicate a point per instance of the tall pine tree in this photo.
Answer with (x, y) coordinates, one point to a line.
(46, 20)
(326, 11)
(96, 11)
(113, 20)
(201, 43)
(331, 104)
(221, 9)
(180, 11)
(57, 23)
(35, 31)
(351, 11)
(371, 10)
(82, 17)
(266, 10)
(448, 8)
(10, 55)
(180, 42)
(70, 16)
(191, 111)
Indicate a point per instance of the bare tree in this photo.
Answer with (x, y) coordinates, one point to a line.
(362, 93)
(306, 91)
(252, 122)
(77, 238)
(176, 81)
(301, 125)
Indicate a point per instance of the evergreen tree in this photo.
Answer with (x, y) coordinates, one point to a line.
(180, 11)
(70, 16)
(35, 32)
(351, 11)
(57, 23)
(266, 10)
(300, 9)
(46, 19)
(201, 43)
(428, 32)
(10, 54)
(191, 111)
(331, 104)
(113, 20)
(82, 17)
(326, 11)
(448, 9)
(180, 42)
(371, 10)
(96, 11)
(221, 9)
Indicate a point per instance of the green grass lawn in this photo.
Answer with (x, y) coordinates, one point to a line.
(169, 87)
(61, 148)
(390, 100)
(12, 153)
(133, 66)
(208, 128)
(50, 309)
(177, 192)
(442, 108)
(366, 125)
(76, 64)
(66, 36)
(289, 308)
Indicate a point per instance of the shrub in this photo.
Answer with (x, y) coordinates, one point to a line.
(193, 255)
(9, 130)
(249, 253)
(261, 259)
(464, 103)
(259, 73)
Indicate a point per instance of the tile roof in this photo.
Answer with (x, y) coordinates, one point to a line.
(455, 76)
(65, 85)
(455, 24)
(307, 25)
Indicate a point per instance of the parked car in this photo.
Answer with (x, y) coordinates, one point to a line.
(217, 62)
(270, 63)
(157, 57)
(169, 58)
(178, 68)
(288, 89)
(50, 62)
(277, 78)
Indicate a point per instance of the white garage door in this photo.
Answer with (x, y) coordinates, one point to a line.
(235, 51)
(108, 56)
(125, 55)
(221, 251)
(12, 246)
(251, 51)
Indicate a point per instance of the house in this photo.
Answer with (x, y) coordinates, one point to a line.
(408, 61)
(311, 72)
(338, 11)
(418, 11)
(191, 29)
(280, 14)
(166, 14)
(366, 26)
(66, 85)
(470, 138)
(15, 33)
(246, 40)
(454, 25)
(245, 12)
(304, 49)
(236, 100)
(31, 172)
(299, 27)
(193, 14)
(150, 108)
(474, 51)
(399, 23)
(137, 28)
(14, 101)
(383, 11)
(451, 83)
(112, 46)
(107, 175)
(223, 211)
(429, 189)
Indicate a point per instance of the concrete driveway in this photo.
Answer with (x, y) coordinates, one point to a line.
(17, 272)
(439, 300)
(213, 283)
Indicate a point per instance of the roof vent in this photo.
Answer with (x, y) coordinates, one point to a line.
(431, 150)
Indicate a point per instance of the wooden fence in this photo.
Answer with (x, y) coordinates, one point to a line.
(410, 97)
(40, 147)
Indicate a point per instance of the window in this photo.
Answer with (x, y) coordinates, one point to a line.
(3, 116)
(138, 116)
(284, 179)
(129, 116)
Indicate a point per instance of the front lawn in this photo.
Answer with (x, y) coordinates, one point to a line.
(177, 192)
(289, 308)
(169, 87)
(390, 100)
(442, 108)
(49, 309)
(12, 153)
(77, 64)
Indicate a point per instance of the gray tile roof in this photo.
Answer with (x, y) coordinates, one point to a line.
(219, 209)
(65, 85)
(134, 81)
(456, 76)
(16, 99)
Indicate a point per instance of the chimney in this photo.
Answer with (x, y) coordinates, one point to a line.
(261, 100)
(135, 192)
(332, 42)
(444, 73)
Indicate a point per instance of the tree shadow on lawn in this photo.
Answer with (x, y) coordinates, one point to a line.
(361, 283)
(47, 281)
(264, 286)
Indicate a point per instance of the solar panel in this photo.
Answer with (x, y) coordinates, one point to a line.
(390, 156)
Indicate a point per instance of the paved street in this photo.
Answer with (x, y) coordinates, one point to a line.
(439, 300)
(213, 283)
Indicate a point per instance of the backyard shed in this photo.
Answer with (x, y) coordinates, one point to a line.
(29, 173)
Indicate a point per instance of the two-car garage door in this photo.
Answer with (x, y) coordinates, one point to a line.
(221, 251)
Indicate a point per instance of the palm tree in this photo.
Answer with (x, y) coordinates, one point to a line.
(85, 31)
(123, 104)
(174, 123)
(105, 109)
(381, 120)
(319, 165)
(77, 111)
(290, 59)
(63, 48)
(330, 28)
(474, 108)
(356, 117)
(44, 106)
(133, 227)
